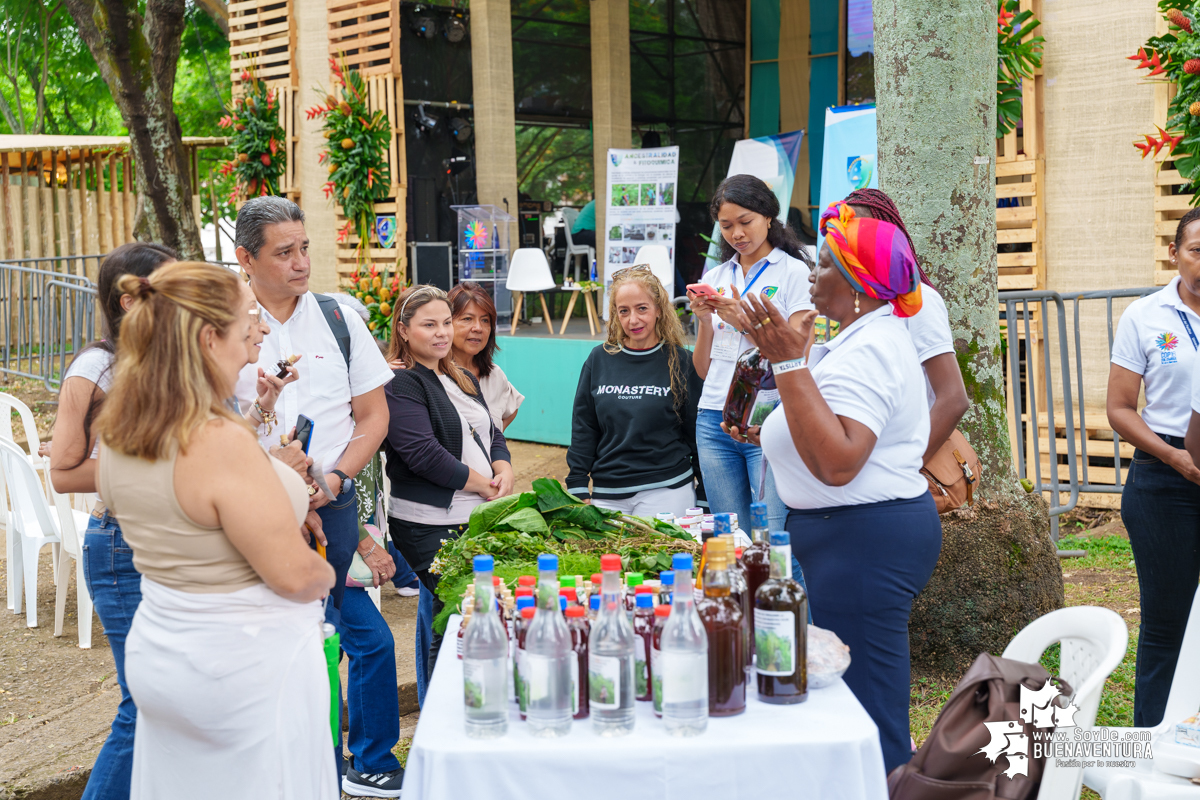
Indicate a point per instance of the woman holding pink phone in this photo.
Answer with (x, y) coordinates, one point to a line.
(761, 255)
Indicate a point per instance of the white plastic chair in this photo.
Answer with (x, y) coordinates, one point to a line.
(9, 404)
(659, 259)
(35, 524)
(1146, 780)
(529, 272)
(72, 524)
(1094, 641)
(569, 215)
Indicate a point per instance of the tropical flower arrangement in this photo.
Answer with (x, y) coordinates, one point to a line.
(380, 294)
(258, 140)
(1175, 56)
(1018, 55)
(355, 155)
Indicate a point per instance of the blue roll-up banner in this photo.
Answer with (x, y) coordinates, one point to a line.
(773, 159)
(850, 160)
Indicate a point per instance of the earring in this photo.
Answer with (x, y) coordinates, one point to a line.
(856, 302)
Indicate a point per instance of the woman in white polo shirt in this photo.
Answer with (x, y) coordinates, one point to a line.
(846, 445)
(1156, 345)
(762, 255)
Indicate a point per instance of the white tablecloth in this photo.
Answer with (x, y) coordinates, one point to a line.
(826, 747)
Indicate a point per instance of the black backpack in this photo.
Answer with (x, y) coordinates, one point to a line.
(337, 323)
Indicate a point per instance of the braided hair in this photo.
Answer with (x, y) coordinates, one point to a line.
(883, 208)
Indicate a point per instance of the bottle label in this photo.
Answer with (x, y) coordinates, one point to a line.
(458, 646)
(574, 683)
(656, 677)
(781, 557)
(522, 688)
(535, 671)
(604, 682)
(641, 669)
(684, 677)
(475, 682)
(775, 640)
(764, 404)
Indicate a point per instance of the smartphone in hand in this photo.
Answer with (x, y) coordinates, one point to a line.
(304, 429)
(702, 289)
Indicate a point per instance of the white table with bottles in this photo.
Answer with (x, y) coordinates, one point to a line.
(826, 747)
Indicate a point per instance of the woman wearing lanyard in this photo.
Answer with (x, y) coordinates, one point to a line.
(846, 446)
(1156, 345)
(762, 255)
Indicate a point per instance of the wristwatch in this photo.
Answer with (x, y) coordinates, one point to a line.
(346, 479)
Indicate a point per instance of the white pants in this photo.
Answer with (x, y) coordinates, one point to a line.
(652, 501)
(233, 697)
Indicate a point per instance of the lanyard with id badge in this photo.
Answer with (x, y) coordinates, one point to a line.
(727, 340)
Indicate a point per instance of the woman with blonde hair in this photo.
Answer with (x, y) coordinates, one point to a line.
(224, 657)
(633, 429)
(445, 455)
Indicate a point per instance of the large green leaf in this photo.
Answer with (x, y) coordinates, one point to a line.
(485, 515)
(551, 495)
(526, 520)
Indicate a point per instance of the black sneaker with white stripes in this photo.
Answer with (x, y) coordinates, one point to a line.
(379, 784)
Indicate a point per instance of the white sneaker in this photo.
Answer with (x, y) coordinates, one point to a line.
(408, 591)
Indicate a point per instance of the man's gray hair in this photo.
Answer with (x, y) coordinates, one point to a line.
(257, 214)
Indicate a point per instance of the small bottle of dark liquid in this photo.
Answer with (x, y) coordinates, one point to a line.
(756, 558)
(580, 628)
(527, 615)
(722, 618)
(751, 375)
(781, 629)
(643, 632)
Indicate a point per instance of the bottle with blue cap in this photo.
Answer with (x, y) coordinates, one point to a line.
(781, 629)
(485, 662)
(683, 659)
(546, 669)
(594, 608)
(756, 558)
(666, 586)
(518, 652)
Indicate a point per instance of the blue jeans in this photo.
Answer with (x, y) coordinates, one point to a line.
(404, 575)
(116, 590)
(425, 615)
(866, 564)
(732, 471)
(1161, 511)
(371, 691)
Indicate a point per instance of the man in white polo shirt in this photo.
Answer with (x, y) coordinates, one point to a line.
(340, 388)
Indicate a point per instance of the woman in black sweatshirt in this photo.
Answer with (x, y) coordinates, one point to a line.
(633, 430)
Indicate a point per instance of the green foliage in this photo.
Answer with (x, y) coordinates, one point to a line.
(1018, 55)
(774, 652)
(355, 155)
(1167, 56)
(260, 150)
(1103, 552)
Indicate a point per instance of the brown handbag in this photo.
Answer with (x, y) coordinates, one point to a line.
(950, 764)
(952, 474)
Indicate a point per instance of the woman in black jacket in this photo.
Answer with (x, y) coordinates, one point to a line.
(444, 454)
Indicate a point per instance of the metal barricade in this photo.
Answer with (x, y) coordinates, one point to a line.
(1042, 387)
(68, 323)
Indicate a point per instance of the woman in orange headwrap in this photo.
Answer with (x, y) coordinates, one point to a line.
(846, 445)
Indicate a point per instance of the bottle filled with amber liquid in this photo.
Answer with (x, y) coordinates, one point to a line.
(781, 629)
(722, 618)
(752, 392)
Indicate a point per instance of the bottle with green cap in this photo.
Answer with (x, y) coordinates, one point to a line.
(632, 581)
(485, 662)
(781, 629)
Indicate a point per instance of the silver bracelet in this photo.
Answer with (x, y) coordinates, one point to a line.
(374, 546)
(791, 364)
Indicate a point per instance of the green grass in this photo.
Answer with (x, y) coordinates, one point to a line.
(401, 750)
(1103, 552)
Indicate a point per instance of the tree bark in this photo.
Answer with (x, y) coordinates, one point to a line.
(935, 79)
(137, 57)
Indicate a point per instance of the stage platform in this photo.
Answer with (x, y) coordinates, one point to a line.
(546, 370)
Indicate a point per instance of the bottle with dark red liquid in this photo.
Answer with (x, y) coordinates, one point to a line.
(643, 632)
(781, 628)
(723, 620)
(580, 628)
(751, 375)
(527, 615)
(756, 559)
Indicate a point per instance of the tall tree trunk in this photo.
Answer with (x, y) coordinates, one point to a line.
(137, 58)
(935, 79)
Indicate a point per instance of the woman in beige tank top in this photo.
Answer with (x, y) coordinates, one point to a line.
(224, 657)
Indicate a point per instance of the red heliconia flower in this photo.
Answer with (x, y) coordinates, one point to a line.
(1003, 20)
(370, 177)
(263, 193)
(328, 190)
(270, 100)
(1168, 140)
(1151, 144)
(274, 145)
(245, 75)
(227, 168)
(1142, 57)
(225, 121)
(266, 160)
(1159, 69)
(233, 196)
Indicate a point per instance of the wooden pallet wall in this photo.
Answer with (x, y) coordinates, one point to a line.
(365, 35)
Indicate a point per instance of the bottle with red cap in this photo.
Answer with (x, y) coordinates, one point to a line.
(661, 612)
(580, 628)
(610, 657)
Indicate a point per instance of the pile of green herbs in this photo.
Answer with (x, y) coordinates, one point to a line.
(514, 530)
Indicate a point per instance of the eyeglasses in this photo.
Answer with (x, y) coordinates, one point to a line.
(635, 268)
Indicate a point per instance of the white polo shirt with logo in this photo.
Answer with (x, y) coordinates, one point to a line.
(325, 387)
(1153, 340)
(784, 281)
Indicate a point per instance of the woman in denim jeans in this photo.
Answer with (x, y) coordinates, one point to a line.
(112, 581)
(1156, 346)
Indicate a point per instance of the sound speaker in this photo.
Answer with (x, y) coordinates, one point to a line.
(432, 263)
